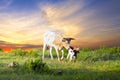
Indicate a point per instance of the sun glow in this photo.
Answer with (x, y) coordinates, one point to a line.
(96, 25)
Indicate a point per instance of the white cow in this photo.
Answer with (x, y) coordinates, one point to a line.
(56, 40)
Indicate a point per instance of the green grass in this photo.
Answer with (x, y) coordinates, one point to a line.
(101, 64)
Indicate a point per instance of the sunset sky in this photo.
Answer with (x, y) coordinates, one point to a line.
(91, 22)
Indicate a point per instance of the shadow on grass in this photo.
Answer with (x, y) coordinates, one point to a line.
(106, 58)
(61, 74)
(86, 74)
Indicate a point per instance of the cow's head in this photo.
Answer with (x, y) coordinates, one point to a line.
(67, 42)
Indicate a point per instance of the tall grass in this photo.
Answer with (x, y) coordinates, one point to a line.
(101, 54)
(100, 64)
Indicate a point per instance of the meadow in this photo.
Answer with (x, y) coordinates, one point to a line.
(99, 64)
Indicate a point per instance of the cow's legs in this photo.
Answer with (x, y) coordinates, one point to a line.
(44, 46)
(57, 53)
(62, 54)
(51, 53)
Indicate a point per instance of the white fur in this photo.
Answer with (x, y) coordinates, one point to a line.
(70, 54)
(54, 39)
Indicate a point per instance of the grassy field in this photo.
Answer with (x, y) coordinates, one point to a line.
(100, 64)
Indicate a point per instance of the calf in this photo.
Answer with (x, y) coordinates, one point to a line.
(72, 53)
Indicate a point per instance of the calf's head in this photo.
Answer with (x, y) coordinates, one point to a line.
(75, 50)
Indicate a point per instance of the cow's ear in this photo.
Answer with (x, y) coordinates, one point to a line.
(72, 38)
(69, 39)
(78, 50)
(72, 47)
(63, 40)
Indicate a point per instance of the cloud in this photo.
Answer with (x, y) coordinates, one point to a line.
(4, 44)
(60, 16)
(87, 24)
(20, 29)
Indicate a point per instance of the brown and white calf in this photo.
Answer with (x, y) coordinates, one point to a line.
(56, 40)
(72, 52)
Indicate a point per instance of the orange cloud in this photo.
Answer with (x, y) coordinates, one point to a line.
(58, 18)
(20, 29)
